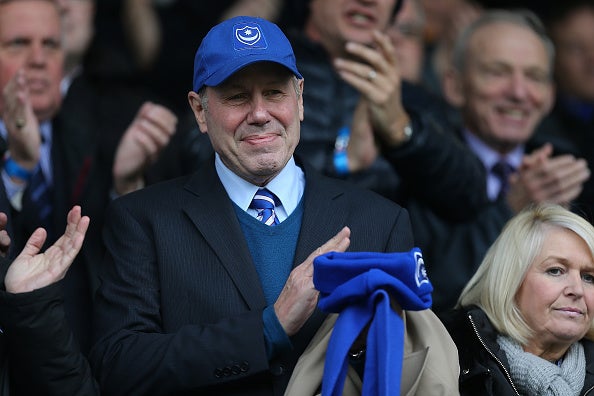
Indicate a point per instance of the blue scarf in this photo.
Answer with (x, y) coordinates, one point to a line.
(359, 286)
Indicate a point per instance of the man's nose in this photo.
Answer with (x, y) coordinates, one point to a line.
(519, 86)
(259, 111)
(37, 55)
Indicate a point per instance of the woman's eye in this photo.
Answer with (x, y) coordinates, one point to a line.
(554, 271)
(588, 278)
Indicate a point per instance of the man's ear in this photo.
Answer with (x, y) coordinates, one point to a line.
(300, 99)
(552, 95)
(198, 109)
(452, 88)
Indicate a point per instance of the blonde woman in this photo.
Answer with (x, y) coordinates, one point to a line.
(523, 324)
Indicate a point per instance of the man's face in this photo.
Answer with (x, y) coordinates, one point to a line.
(574, 40)
(30, 39)
(253, 120)
(333, 22)
(406, 32)
(506, 85)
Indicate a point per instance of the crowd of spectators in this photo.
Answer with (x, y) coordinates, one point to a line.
(462, 112)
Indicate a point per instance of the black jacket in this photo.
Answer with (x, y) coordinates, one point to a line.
(38, 352)
(453, 250)
(484, 369)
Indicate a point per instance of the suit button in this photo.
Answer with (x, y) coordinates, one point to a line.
(244, 367)
(277, 370)
(465, 371)
(235, 370)
(226, 371)
(218, 373)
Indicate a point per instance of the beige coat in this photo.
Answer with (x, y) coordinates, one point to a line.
(430, 364)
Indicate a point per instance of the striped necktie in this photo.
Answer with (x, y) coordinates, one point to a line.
(40, 197)
(264, 202)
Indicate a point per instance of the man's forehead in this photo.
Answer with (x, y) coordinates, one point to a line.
(30, 17)
(49, 10)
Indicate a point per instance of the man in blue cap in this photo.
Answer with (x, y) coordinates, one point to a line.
(207, 285)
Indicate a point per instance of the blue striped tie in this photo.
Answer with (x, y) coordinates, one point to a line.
(264, 202)
(41, 200)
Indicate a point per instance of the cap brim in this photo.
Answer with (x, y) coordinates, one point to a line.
(233, 67)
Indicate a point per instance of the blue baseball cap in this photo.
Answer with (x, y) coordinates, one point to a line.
(237, 42)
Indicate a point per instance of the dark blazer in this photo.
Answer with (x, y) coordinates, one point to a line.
(180, 305)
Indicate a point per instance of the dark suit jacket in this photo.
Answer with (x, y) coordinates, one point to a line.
(180, 305)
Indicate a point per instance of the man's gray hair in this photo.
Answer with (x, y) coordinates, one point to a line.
(523, 18)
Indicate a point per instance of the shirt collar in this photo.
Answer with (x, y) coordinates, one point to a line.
(490, 157)
(288, 186)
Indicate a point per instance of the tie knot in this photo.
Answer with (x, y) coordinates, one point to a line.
(264, 199)
(264, 202)
(502, 169)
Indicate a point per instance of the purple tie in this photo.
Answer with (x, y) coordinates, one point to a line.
(503, 170)
(40, 200)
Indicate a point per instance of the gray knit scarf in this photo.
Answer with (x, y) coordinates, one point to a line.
(534, 376)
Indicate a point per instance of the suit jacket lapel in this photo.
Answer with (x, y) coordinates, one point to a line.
(213, 214)
(323, 213)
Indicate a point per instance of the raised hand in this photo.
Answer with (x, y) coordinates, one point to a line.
(33, 270)
(374, 72)
(24, 139)
(298, 298)
(544, 178)
(4, 237)
(141, 145)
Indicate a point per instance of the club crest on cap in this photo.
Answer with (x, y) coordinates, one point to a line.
(249, 37)
(421, 272)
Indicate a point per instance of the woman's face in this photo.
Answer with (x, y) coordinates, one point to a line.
(556, 297)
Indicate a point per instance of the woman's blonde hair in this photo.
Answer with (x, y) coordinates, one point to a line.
(496, 282)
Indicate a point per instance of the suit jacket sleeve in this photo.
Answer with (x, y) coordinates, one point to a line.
(440, 171)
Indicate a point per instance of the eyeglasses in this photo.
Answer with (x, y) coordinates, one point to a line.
(410, 30)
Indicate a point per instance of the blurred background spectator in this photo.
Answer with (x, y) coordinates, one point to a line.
(570, 125)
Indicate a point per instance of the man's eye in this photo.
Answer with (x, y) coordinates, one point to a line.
(17, 43)
(275, 93)
(236, 97)
(52, 44)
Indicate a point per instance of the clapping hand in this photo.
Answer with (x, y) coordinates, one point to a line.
(33, 270)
